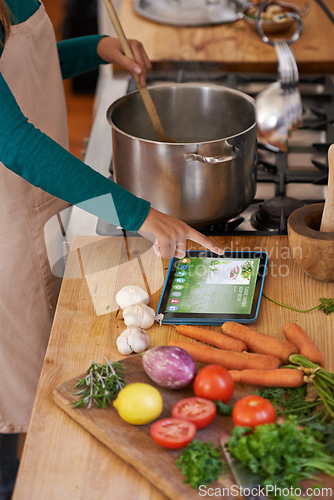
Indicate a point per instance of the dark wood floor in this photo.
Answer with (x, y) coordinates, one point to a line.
(79, 106)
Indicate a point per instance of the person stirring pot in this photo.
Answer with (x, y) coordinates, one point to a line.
(38, 179)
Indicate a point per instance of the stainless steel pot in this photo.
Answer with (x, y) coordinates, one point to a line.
(210, 173)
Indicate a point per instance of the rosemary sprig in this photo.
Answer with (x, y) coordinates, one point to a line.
(326, 305)
(101, 384)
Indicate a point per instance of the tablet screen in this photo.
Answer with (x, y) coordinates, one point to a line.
(204, 288)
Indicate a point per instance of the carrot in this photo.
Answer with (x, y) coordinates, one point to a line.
(210, 337)
(280, 377)
(236, 375)
(260, 342)
(228, 359)
(307, 348)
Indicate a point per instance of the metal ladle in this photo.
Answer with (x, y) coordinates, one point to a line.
(278, 108)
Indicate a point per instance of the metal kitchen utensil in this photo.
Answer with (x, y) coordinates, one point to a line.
(188, 12)
(249, 485)
(278, 108)
(289, 79)
(272, 127)
(144, 93)
(327, 221)
(286, 15)
(277, 24)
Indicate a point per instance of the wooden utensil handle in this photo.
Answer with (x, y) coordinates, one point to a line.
(327, 221)
(145, 95)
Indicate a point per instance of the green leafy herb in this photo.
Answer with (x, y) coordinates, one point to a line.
(282, 455)
(323, 380)
(201, 463)
(291, 401)
(223, 409)
(324, 432)
(101, 384)
(326, 305)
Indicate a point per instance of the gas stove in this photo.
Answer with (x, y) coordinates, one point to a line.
(285, 180)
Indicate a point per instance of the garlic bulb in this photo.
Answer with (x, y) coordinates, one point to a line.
(140, 315)
(133, 339)
(130, 295)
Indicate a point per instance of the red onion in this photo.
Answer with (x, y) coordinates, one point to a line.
(170, 367)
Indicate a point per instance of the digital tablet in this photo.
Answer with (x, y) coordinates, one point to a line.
(207, 289)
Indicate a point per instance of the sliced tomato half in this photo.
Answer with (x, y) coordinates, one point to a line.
(173, 433)
(200, 411)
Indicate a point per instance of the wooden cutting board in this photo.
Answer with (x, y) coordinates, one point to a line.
(134, 444)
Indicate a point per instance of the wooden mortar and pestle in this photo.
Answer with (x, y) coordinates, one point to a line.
(311, 233)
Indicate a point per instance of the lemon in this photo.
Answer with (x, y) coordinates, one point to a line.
(138, 403)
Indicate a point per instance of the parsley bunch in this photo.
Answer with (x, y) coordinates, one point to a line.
(282, 455)
(201, 463)
(310, 412)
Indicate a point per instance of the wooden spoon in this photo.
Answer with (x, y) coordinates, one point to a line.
(145, 95)
(327, 221)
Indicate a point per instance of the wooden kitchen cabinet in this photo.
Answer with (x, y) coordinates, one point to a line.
(235, 45)
(61, 460)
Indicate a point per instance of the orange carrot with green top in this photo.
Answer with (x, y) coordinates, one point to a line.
(280, 377)
(307, 348)
(260, 342)
(218, 339)
(228, 359)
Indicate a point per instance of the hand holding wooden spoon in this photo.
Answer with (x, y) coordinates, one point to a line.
(147, 99)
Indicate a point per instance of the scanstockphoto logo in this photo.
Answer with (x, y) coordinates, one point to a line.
(269, 491)
(115, 262)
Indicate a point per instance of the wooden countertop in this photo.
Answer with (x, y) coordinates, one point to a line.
(235, 45)
(60, 459)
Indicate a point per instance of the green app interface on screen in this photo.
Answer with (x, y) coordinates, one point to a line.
(206, 285)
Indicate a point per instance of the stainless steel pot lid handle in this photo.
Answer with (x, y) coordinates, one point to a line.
(292, 15)
(213, 160)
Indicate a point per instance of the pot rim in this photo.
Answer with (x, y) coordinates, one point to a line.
(219, 88)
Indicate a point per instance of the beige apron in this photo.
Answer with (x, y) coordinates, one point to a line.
(28, 289)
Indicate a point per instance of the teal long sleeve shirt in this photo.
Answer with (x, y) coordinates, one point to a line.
(38, 159)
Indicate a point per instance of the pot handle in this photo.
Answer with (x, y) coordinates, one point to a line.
(213, 160)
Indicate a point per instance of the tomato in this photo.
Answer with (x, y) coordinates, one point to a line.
(252, 410)
(173, 433)
(214, 382)
(200, 411)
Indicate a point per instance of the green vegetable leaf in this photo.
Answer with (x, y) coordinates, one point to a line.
(326, 305)
(282, 455)
(223, 409)
(201, 463)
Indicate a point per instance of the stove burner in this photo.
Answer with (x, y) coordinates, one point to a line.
(273, 213)
(219, 227)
